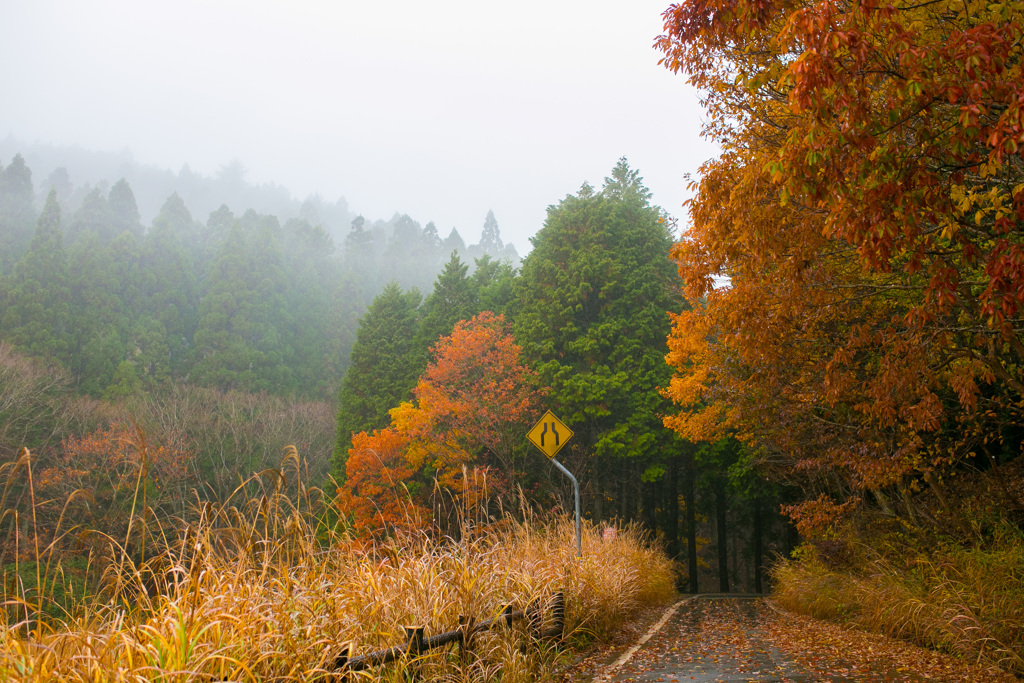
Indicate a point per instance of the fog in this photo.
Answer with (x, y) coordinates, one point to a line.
(442, 111)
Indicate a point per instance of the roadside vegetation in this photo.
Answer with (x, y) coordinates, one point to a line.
(270, 586)
(956, 586)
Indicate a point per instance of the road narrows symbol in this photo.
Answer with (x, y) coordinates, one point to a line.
(549, 434)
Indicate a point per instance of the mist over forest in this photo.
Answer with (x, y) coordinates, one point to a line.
(149, 275)
(75, 171)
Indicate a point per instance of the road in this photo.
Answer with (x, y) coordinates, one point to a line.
(739, 638)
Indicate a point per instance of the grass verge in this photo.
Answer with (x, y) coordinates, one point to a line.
(270, 591)
(963, 599)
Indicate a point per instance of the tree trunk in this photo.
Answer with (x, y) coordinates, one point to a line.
(650, 504)
(734, 548)
(792, 538)
(723, 554)
(623, 503)
(691, 519)
(672, 510)
(758, 545)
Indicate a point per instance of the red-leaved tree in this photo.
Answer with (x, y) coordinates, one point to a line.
(472, 404)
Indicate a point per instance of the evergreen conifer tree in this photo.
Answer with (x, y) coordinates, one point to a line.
(239, 340)
(490, 238)
(383, 370)
(591, 315)
(36, 301)
(452, 300)
(17, 213)
(170, 284)
(94, 218)
(124, 210)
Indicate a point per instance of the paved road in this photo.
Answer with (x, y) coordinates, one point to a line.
(722, 638)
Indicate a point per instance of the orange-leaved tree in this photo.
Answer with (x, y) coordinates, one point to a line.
(471, 405)
(477, 391)
(376, 493)
(868, 214)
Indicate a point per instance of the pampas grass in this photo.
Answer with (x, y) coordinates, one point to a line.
(269, 585)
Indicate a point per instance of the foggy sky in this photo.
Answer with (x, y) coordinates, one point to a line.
(441, 109)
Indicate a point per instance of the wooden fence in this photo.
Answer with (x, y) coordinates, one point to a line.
(417, 644)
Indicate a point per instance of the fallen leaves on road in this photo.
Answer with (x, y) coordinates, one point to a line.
(814, 643)
(745, 640)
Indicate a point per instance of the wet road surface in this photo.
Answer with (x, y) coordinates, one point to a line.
(718, 638)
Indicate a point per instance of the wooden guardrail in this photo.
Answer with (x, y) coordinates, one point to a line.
(417, 644)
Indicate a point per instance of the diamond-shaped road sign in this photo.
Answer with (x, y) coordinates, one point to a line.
(549, 435)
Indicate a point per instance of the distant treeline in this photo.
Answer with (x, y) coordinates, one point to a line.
(190, 354)
(238, 302)
(74, 172)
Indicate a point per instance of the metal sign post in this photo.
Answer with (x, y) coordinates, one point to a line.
(549, 435)
(576, 491)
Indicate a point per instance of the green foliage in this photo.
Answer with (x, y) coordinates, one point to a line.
(17, 214)
(494, 283)
(384, 366)
(36, 298)
(124, 211)
(238, 338)
(67, 584)
(452, 300)
(591, 313)
(93, 219)
(169, 288)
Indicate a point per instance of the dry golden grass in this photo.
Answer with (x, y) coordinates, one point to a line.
(962, 600)
(270, 589)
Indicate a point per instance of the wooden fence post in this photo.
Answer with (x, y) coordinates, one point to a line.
(414, 647)
(558, 613)
(414, 640)
(534, 618)
(467, 624)
(342, 660)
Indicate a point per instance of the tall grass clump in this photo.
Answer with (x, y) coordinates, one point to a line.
(966, 599)
(269, 585)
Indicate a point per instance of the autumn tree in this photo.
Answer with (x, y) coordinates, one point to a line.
(117, 468)
(31, 394)
(867, 214)
(477, 392)
(375, 495)
(472, 405)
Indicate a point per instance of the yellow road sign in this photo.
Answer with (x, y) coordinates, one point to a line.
(549, 435)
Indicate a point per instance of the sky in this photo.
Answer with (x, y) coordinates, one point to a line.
(443, 109)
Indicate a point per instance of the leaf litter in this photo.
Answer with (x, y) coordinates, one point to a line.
(748, 639)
